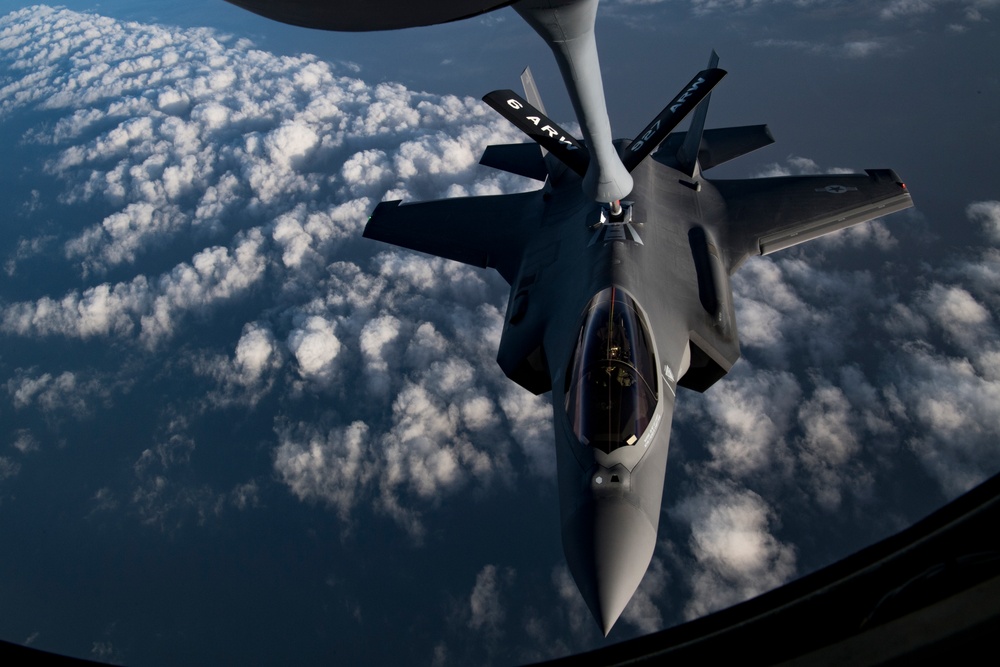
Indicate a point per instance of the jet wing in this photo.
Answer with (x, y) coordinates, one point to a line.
(488, 231)
(769, 214)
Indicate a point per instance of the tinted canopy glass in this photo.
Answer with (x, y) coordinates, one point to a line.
(611, 389)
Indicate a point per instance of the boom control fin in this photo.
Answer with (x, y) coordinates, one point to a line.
(541, 128)
(684, 103)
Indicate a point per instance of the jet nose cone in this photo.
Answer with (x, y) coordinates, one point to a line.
(608, 545)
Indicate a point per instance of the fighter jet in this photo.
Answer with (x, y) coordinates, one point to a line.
(619, 267)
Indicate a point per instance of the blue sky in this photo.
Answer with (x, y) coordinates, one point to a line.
(233, 430)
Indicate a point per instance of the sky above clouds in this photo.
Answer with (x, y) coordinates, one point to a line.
(231, 429)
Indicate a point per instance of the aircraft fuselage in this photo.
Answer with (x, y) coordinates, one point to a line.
(611, 486)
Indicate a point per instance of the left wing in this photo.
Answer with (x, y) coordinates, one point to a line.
(489, 231)
(769, 214)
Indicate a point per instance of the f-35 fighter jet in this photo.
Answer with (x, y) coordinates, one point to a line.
(619, 267)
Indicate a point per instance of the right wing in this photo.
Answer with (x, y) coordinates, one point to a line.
(769, 214)
(489, 231)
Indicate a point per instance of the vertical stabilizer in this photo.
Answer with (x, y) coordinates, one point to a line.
(535, 99)
(531, 90)
(687, 155)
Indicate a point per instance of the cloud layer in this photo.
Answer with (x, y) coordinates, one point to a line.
(203, 248)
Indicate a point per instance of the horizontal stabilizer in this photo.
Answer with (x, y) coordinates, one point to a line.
(540, 128)
(520, 159)
(672, 114)
(717, 146)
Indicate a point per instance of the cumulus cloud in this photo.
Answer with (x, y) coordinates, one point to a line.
(149, 308)
(333, 466)
(50, 393)
(987, 215)
(315, 346)
(159, 499)
(486, 610)
(745, 421)
(217, 194)
(8, 468)
(964, 320)
(825, 418)
(829, 445)
(249, 374)
(736, 554)
(423, 450)
(798, 166)
(269, 166)
(121, 235)
(376, 337)
(934, 369)
(642, 610)
(438, 440)
(972, 9)
(955, 409)
(530, 421)
(25, 441)
(578, 616)
(852, 49)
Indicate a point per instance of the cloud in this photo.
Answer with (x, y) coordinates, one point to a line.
(954, 409)
(268, 167)
(642, 611)
(530, 422)
(249, 374)
(160, 498)
(424, 451)
(8, 468)
(438, 440)
(151, 308)
(332, 466)
(928, 386)
(25, 442)
(902, 369)
(785, 300)
(376, 337)
(120, 236)
(578, 616)
(745, 420)
(987, 215)
(213, 197)
(798, 166)
(954, 310)
(829, 445)
(851, 49)
(893, 9)
(315, 346)
(972, 9)
(736, 556)
(65, 392)
(486, 611)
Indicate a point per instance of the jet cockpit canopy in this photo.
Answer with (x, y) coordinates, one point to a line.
(611, 384)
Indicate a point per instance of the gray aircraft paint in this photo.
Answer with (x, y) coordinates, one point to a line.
(680, 239)
(689, 236)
